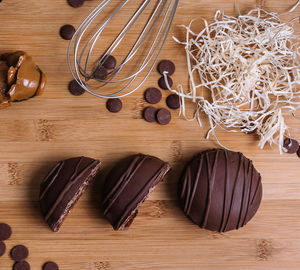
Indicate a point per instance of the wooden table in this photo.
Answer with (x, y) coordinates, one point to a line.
(34, 135)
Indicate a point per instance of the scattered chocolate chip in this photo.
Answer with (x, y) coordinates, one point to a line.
(149, 114)
(67, 31)
(166, 65)
(114, 105)
(76, 3)
(50, 266)
(100, 73)
(173, 101)
(110, 62)
(152, 95)
(2, 248)
(291, 145)
(75, 88)
(5, 231)
(162, 83)
(19, 253)
(21, 266)
(163, 116)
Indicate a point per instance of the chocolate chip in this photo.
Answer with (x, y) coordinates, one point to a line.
(50, 266)
(291, 145)
(2, 248)
(110, 62)
(166, 65)
(163, 116)
(19, 253)
(152, 95)
(5, 231)
(162, 83)
(149, 114)
(100, 73)
(75, 88)
(298, 152)
(173, 101)
(21, 266)
(76, 3)
(67, 31)
(114, 105)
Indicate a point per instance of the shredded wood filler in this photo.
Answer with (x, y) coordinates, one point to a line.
(250, 64)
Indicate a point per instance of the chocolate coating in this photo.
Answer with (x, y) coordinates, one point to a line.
(173, 101)
(67, 31)
(290, 145)
(5, 231)
(21, 266)
(110, 62)
(76, 3)
(50, 266)
(149, 114)
(163, 116)
(162, 83)
(152, 95)
(114, 105)
(75, 88)
(166, 65)
(19, 253)
(63, 186)
(128, 185)
(220, 190)
(2, 248)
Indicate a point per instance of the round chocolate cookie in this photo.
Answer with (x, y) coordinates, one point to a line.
(162, 83)
(75, 88)
(114, 105)
(290, 145)
(149, 114)
(152, 95)
(100, 73)
(220, 190)
(67, 31)
(2, 248)
(21, 266)
(166, 66)
(110, 62)
(173, 101)
(76, 3)
(5, 231)
(19, 253)
(50, 266)
(163, 116)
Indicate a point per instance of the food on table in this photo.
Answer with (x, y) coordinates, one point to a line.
(75, 88)
(20, 78)
(5, 231)
(76, 3)
(21, 266)
(149, 114)
(50, 266)
(110, 62)
(166, 66)
(290, 146)
(19, 253)
(67, 31)
(100, 73)
(220, 190)
(128, 185)
(114, 105)
(2, 248)
(163, 116)
(152, 95)
(173, 101)
(162, 82)
(63, 186)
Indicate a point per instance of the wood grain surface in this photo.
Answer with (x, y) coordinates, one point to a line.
(35, 134)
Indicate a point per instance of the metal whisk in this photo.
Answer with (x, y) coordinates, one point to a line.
(141, 58)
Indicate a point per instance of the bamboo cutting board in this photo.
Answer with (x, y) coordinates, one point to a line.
(34, 135)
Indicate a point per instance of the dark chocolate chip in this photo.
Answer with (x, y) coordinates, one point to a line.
(19, 253)
(76, 3)
(291, 145)
(21, 266)
(2, 248)
(173, 101)
(149, 114)
(114, 105)
(67, 31)
(166, 65)
(163, 116)
(50, 266)
(298, 152)
(152, 95)
(5, 231)
(162, 83)
(100, 73)
(75, 88)
(110, 62)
